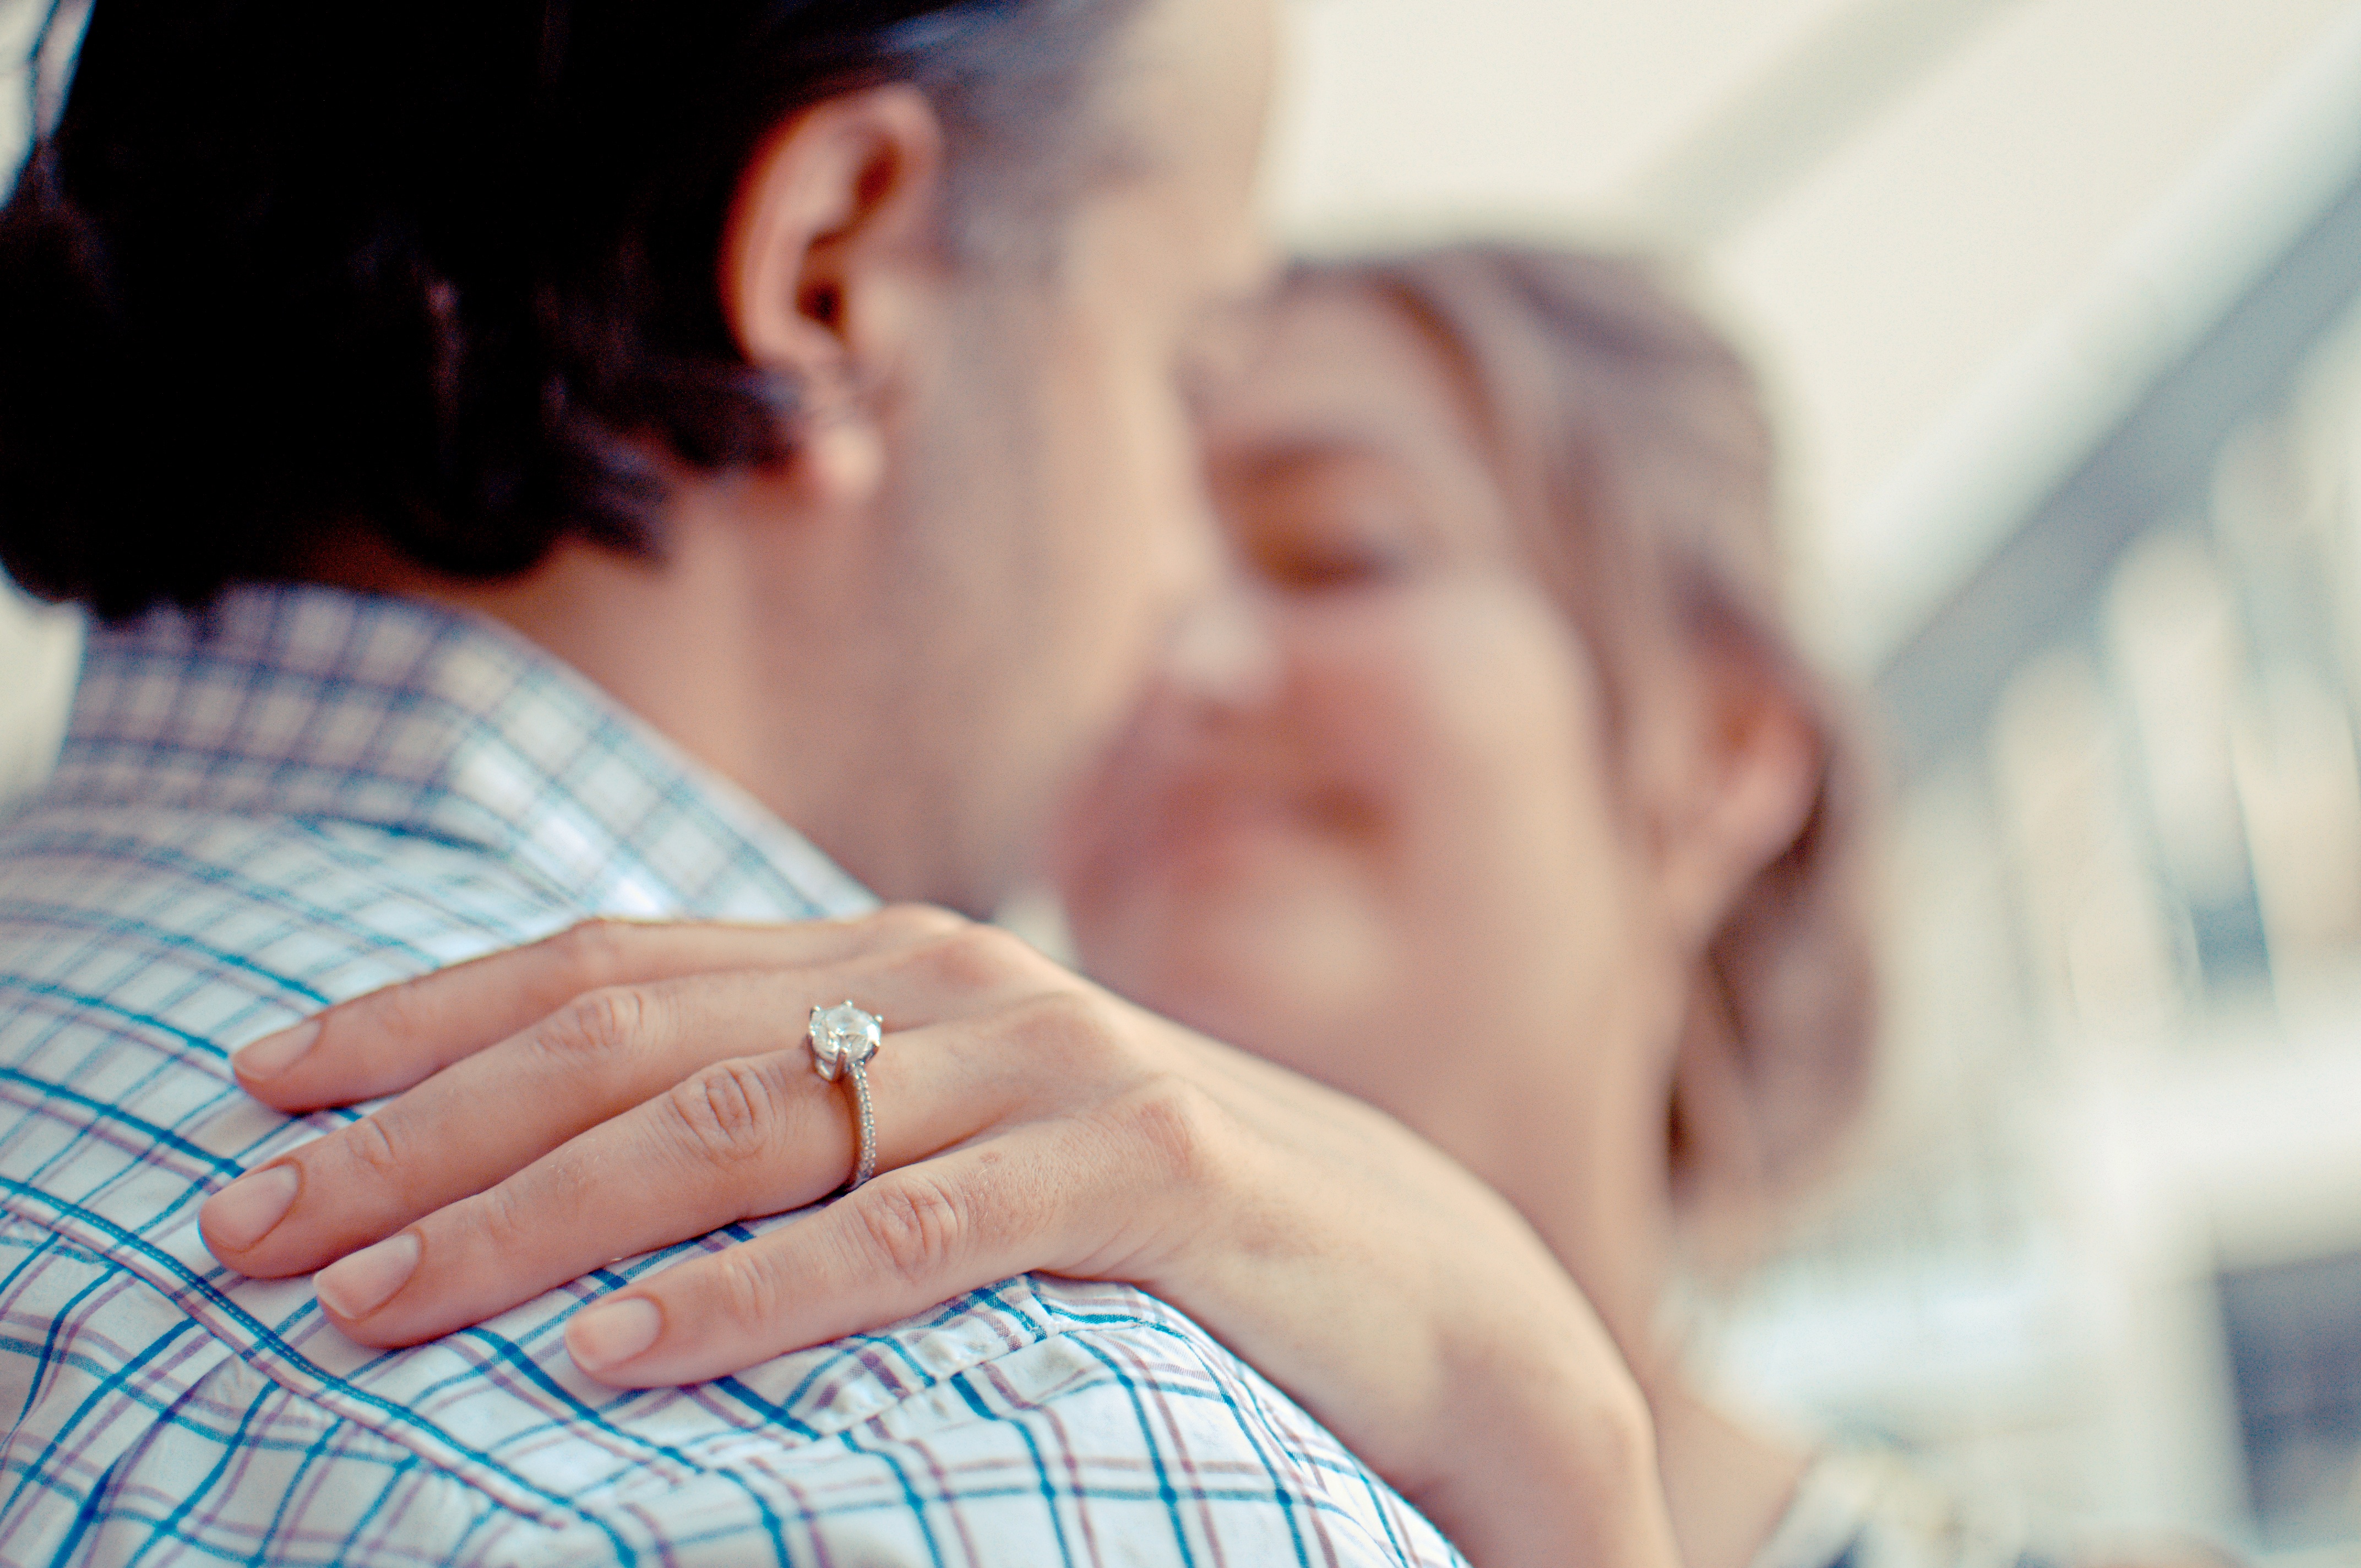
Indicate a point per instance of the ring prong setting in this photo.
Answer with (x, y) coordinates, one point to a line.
(843, 1036)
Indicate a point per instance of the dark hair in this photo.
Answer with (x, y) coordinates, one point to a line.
(1632, 444)
(286, 269)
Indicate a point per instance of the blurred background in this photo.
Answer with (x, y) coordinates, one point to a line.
(2060, 302)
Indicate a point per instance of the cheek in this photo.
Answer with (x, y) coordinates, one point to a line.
(1472, 713)
(1155, 539)
(1505, 864)
(1126, 476)
(1126, 541)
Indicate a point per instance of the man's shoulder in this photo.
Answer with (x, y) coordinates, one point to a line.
(274, 899)
(1037, 1421)
(1032, 1422)
(140, 945)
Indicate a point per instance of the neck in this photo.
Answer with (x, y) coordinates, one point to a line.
(672, 641)
(1726, 1485)
(748, 638)
(1596, 1191)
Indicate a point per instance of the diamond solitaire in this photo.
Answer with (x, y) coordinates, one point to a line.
(843, 1036)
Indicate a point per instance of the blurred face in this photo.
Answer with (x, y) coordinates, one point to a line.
(1389, 854)
(1054, 514)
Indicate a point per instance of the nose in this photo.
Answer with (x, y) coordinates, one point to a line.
(1224, 650)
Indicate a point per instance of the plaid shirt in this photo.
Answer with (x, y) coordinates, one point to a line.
(308, 794)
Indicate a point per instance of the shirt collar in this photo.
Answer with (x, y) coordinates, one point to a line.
(314, 702)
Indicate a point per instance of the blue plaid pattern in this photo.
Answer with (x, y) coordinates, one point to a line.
(305, 795)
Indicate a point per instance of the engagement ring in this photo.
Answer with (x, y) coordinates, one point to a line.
(843, 1038)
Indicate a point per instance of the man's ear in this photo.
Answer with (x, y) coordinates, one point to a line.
(832, 246)
(1743, 781)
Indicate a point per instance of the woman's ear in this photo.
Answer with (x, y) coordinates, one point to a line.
(1743, 778)
(830, 264)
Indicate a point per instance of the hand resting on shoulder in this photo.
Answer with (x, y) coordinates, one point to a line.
(622, 1087)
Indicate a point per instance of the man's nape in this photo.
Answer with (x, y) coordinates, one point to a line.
(410, 271)
(976, 516)
(991, 510)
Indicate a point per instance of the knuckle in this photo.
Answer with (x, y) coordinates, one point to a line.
(982, 959)
(501, 1216)
(372, 1147)
(912, 1225)
(1078, 1031)
(730, 1112)
(591, 953)
(746, 1290)
(599, 1026)
(403, 1012)
(916, 922)
(1174, 1126)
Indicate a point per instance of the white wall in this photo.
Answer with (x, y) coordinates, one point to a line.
(1952, 172)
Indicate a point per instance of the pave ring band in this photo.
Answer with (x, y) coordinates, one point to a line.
(843, 1038)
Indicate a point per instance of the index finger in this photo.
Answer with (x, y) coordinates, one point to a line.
(392, 1039)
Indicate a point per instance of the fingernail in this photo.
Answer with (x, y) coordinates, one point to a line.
(366, 1280)
(610, 1331)
(243, 1212)
(274, 1054)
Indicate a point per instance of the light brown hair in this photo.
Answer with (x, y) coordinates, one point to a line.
(1632, 442)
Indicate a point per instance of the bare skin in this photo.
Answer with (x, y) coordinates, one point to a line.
(1400, 856)
(993, 515)
(978, 447)
(1406, 687)
(1027, 1119)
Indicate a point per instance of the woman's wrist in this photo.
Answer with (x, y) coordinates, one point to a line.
(1546, 1458)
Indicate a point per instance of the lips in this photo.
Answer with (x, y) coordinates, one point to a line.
(1204, 814)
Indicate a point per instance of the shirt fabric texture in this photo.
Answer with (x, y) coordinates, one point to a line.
(304, 794)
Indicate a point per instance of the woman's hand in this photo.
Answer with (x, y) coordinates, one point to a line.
(623, 1087)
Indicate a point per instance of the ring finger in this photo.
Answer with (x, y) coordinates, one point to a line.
(592, 1060)
(737, 1140)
